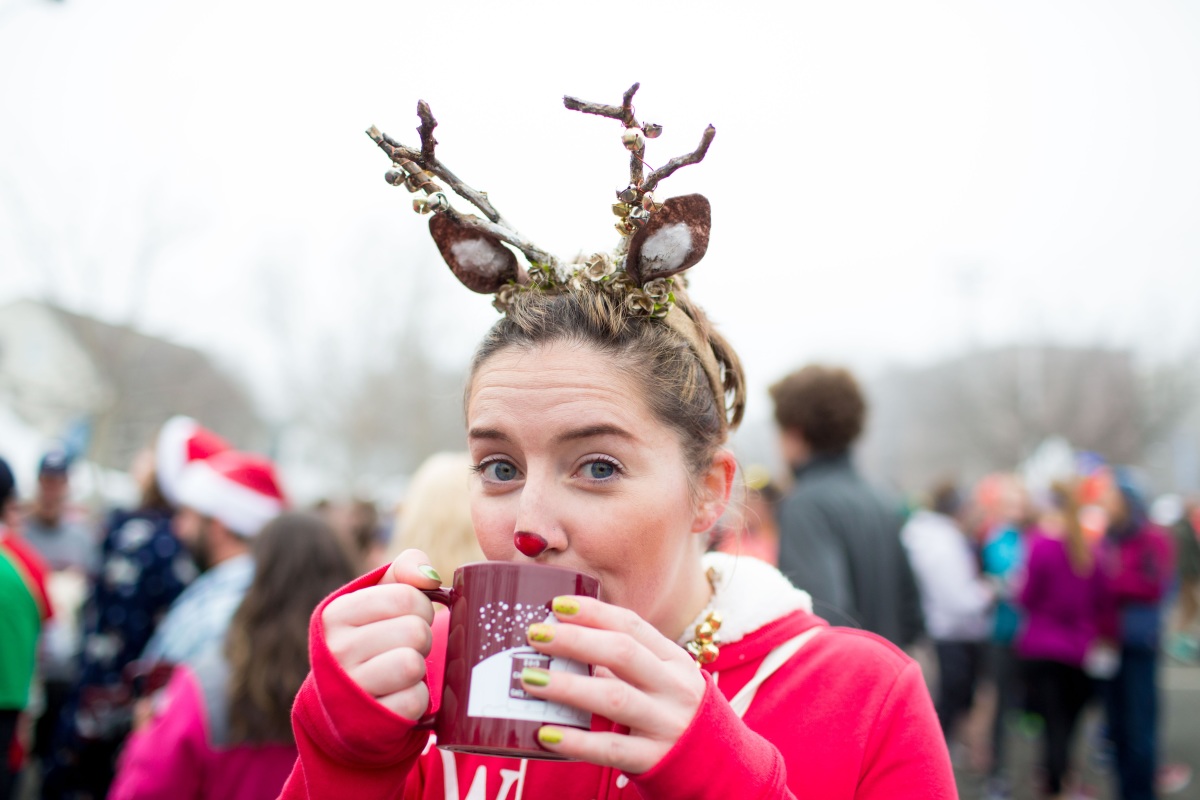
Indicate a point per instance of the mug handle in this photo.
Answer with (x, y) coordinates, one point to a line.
(446, 598)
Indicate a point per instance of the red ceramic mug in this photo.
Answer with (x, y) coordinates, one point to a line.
(484, 708)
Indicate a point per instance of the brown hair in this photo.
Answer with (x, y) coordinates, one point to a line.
(298, 561)
(823, 404)
(1064, 498)
(659, 359)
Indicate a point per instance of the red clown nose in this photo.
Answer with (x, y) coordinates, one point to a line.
(530, 544)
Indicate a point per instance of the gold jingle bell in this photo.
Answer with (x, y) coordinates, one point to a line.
(708, 654)
(621, 210)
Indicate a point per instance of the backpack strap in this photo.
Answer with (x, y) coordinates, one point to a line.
(774, 660)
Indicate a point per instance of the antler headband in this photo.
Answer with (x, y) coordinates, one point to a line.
(659, 240)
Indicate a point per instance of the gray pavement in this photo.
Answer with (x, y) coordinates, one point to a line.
(1180, 744)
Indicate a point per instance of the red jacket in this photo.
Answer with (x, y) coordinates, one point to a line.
(847, 716)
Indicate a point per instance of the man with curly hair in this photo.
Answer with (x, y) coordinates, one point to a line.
(839, 537)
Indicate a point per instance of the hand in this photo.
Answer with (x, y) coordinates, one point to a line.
(380, 635)
(642, 680)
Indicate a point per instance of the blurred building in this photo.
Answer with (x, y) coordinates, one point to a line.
(109, 387)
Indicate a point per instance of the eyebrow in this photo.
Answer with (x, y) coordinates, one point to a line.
(488, 433)
(588, 432)
(595, 430)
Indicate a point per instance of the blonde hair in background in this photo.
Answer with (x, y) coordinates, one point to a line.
(436, 515)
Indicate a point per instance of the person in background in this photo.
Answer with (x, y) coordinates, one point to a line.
(1003, 556)
(1062, 595)
(956, 600)
(357, 524)
(71, 551)
(223, 502)
(223, 727)
(1136, 562)
(63, 541)
(757, 533)
(436, 517)
(1184, 644)
(24, 607)
(839, 538)
(143, 568)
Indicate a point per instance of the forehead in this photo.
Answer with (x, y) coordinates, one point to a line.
(556, 383)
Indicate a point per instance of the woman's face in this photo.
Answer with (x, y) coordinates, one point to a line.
(564, 447)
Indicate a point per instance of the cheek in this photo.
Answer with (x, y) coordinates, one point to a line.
(493, 524)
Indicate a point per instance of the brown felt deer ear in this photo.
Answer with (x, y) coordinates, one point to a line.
(476, 258)
(673, 239)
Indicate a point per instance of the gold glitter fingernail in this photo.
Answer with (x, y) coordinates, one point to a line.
(540, 632)
(548, 734)
(565, 605)
(535, 677)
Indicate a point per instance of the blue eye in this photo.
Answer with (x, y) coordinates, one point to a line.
(600, 470)
(500, 470)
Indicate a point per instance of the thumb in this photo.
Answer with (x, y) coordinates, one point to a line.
(412, 567)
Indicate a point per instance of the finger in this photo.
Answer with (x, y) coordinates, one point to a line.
(632, 755)
(354, 645)
(375, 603)
(593, 613)
(610, 698)
(412, 567)
(618, 652)
(411, 703)
(390, 672)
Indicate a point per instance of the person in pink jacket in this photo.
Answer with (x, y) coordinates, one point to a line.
(597, 414)
(221, 730)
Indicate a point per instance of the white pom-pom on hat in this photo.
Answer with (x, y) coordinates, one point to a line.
(181, 441)
(240, 490)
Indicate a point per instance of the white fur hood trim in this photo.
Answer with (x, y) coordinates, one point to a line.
(749, 594)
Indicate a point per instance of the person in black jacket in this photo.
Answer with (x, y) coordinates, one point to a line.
(839, 537)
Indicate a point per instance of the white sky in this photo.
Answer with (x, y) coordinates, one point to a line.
(890, 181)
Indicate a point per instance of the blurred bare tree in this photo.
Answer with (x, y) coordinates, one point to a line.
(990, 409)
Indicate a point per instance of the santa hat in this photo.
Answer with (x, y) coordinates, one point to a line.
(240, 490)
(180, 442)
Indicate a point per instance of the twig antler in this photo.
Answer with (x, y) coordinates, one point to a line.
(694, 157)
(635, 140)
(419, 165)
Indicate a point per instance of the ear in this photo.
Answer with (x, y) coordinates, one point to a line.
(477, 259)
(716, 486)
(674, 238)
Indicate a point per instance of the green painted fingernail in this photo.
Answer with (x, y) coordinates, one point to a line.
(565, 605)
(540, 632)
(429, 572)
(535, 677)
(548, 734)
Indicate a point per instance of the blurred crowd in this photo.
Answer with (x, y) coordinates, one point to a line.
(164, 646)
(158, 653)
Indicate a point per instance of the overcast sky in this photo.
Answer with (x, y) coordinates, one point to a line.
(891, 181)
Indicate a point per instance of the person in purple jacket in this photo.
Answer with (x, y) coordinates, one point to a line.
(1062, 596)
(1136, 560)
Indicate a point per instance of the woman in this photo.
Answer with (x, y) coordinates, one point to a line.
(1136, 561)
(222, 729)
(1061, 598)
(596, 416)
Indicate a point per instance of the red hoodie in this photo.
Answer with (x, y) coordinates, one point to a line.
(847, 716)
